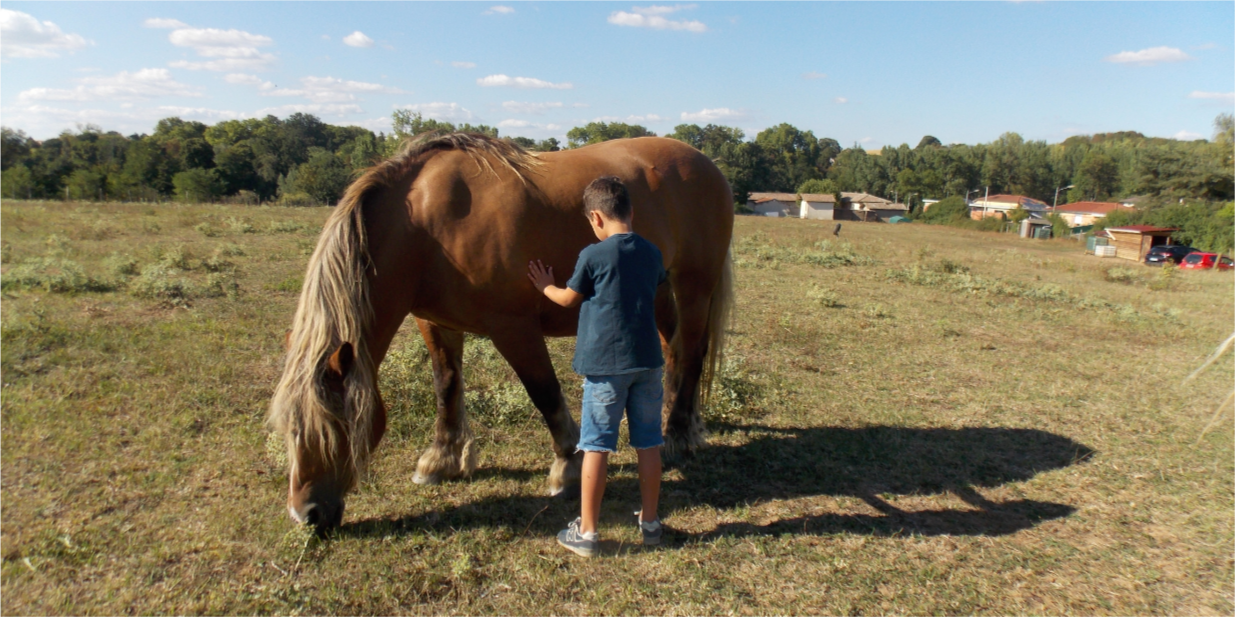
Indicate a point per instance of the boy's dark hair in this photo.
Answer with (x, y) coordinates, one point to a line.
(608, 195)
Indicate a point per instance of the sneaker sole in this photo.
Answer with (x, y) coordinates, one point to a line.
(582, 552)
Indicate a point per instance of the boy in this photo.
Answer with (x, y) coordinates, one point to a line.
(618, 353)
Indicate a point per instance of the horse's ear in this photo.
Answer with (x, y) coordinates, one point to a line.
(340, 362)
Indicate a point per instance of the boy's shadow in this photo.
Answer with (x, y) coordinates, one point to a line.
(870, 464)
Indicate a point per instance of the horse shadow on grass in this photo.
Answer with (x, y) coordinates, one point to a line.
(869, 463)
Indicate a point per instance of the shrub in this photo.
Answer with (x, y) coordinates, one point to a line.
(296, 199)
(239, 225)
(230, 250)
(206, 229)
(176, 257)
(287, 227)
(220, 284)
(946, 210)
(1119, 274)
(218, 263)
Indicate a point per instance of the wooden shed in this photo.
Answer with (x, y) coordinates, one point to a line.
(1134, 241)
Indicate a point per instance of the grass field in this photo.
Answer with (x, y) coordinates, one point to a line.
(913, 420)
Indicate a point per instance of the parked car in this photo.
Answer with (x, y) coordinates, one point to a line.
(1172, 253)
(1205, 261)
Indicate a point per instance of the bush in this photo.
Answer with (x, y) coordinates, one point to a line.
(197, 185)
(946, 210)
(158, 281)
(120, 265)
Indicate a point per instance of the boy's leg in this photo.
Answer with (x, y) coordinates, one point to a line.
(595, 469)
(643, 409)
(649, 483)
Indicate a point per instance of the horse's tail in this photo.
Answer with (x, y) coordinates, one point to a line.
(719, 316)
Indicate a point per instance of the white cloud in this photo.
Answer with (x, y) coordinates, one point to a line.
(159, 22)
(1225, 97)
(715, 115)
(450, 112)
(813, 75)
(504, 10)
(357, 39)
(230, 50)
(1187, 136)
(334, 110)
(1147, 57)
(652, 17)
(144, 84)
(517, 107)
(23, 36)
(841, 100)
(203, 113)
(521, 82)
(524, 124)
(648, 119)
(463, 65)
(245, 79)
(323, 89)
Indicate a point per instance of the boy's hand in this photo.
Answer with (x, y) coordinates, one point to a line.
(541, 276)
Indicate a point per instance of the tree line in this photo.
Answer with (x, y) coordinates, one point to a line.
(302, 160)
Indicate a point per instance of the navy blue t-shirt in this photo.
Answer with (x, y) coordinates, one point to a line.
(617, 322)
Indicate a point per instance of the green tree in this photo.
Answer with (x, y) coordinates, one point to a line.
(596, 132)
(323, 178)
(17, 182)
(14, 146)
(85, 184)
(197, 185)
(1096, 177)
(929, 141)
(818, 186)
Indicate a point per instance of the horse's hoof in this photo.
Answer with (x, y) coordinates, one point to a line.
(428, 480)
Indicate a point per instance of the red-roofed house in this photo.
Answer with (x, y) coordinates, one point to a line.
(1000, 205)
(1086, 212)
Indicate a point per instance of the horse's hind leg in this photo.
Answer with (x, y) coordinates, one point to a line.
(523, 346)
(453, 453)
(684, 431)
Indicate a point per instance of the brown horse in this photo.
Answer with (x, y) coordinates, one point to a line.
(444, 231)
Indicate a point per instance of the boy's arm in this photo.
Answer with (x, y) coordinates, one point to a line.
(542, 278)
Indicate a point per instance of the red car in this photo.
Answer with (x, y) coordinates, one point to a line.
(1205, 261)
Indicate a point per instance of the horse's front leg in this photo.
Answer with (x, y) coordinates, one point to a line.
(524, 348)
(453, 453)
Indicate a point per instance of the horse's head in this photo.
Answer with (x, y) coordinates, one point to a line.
(330, 425)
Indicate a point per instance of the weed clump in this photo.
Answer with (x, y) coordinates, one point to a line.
(53, 275)
(220, 284)
(735, 394)
(208, 230)
(754, 252)
(160, 281)
(957, 278)
(1119, 274)
(240, 226)
(230, 250)
(287, 227)
(503, 403)
(120, 265)
(824, 297)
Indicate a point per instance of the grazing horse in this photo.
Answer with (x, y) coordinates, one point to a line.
(444, 231)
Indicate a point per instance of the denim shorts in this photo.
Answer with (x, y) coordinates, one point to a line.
(605, 398)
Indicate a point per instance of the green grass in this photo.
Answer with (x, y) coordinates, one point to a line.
(913, 419)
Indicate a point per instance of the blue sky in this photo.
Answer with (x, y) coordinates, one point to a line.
(872, 73)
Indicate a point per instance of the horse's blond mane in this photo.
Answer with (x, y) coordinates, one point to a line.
(334, 308)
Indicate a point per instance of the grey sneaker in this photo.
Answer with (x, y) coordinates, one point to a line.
(652, 530)
(576, 541)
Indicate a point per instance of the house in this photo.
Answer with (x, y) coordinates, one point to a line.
(773, 204)
(1000, 205)
(1134, 241)
(866, 207)
(1086, 212)
(817, 206)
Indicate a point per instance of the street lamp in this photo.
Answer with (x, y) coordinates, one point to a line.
(1055, 204)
